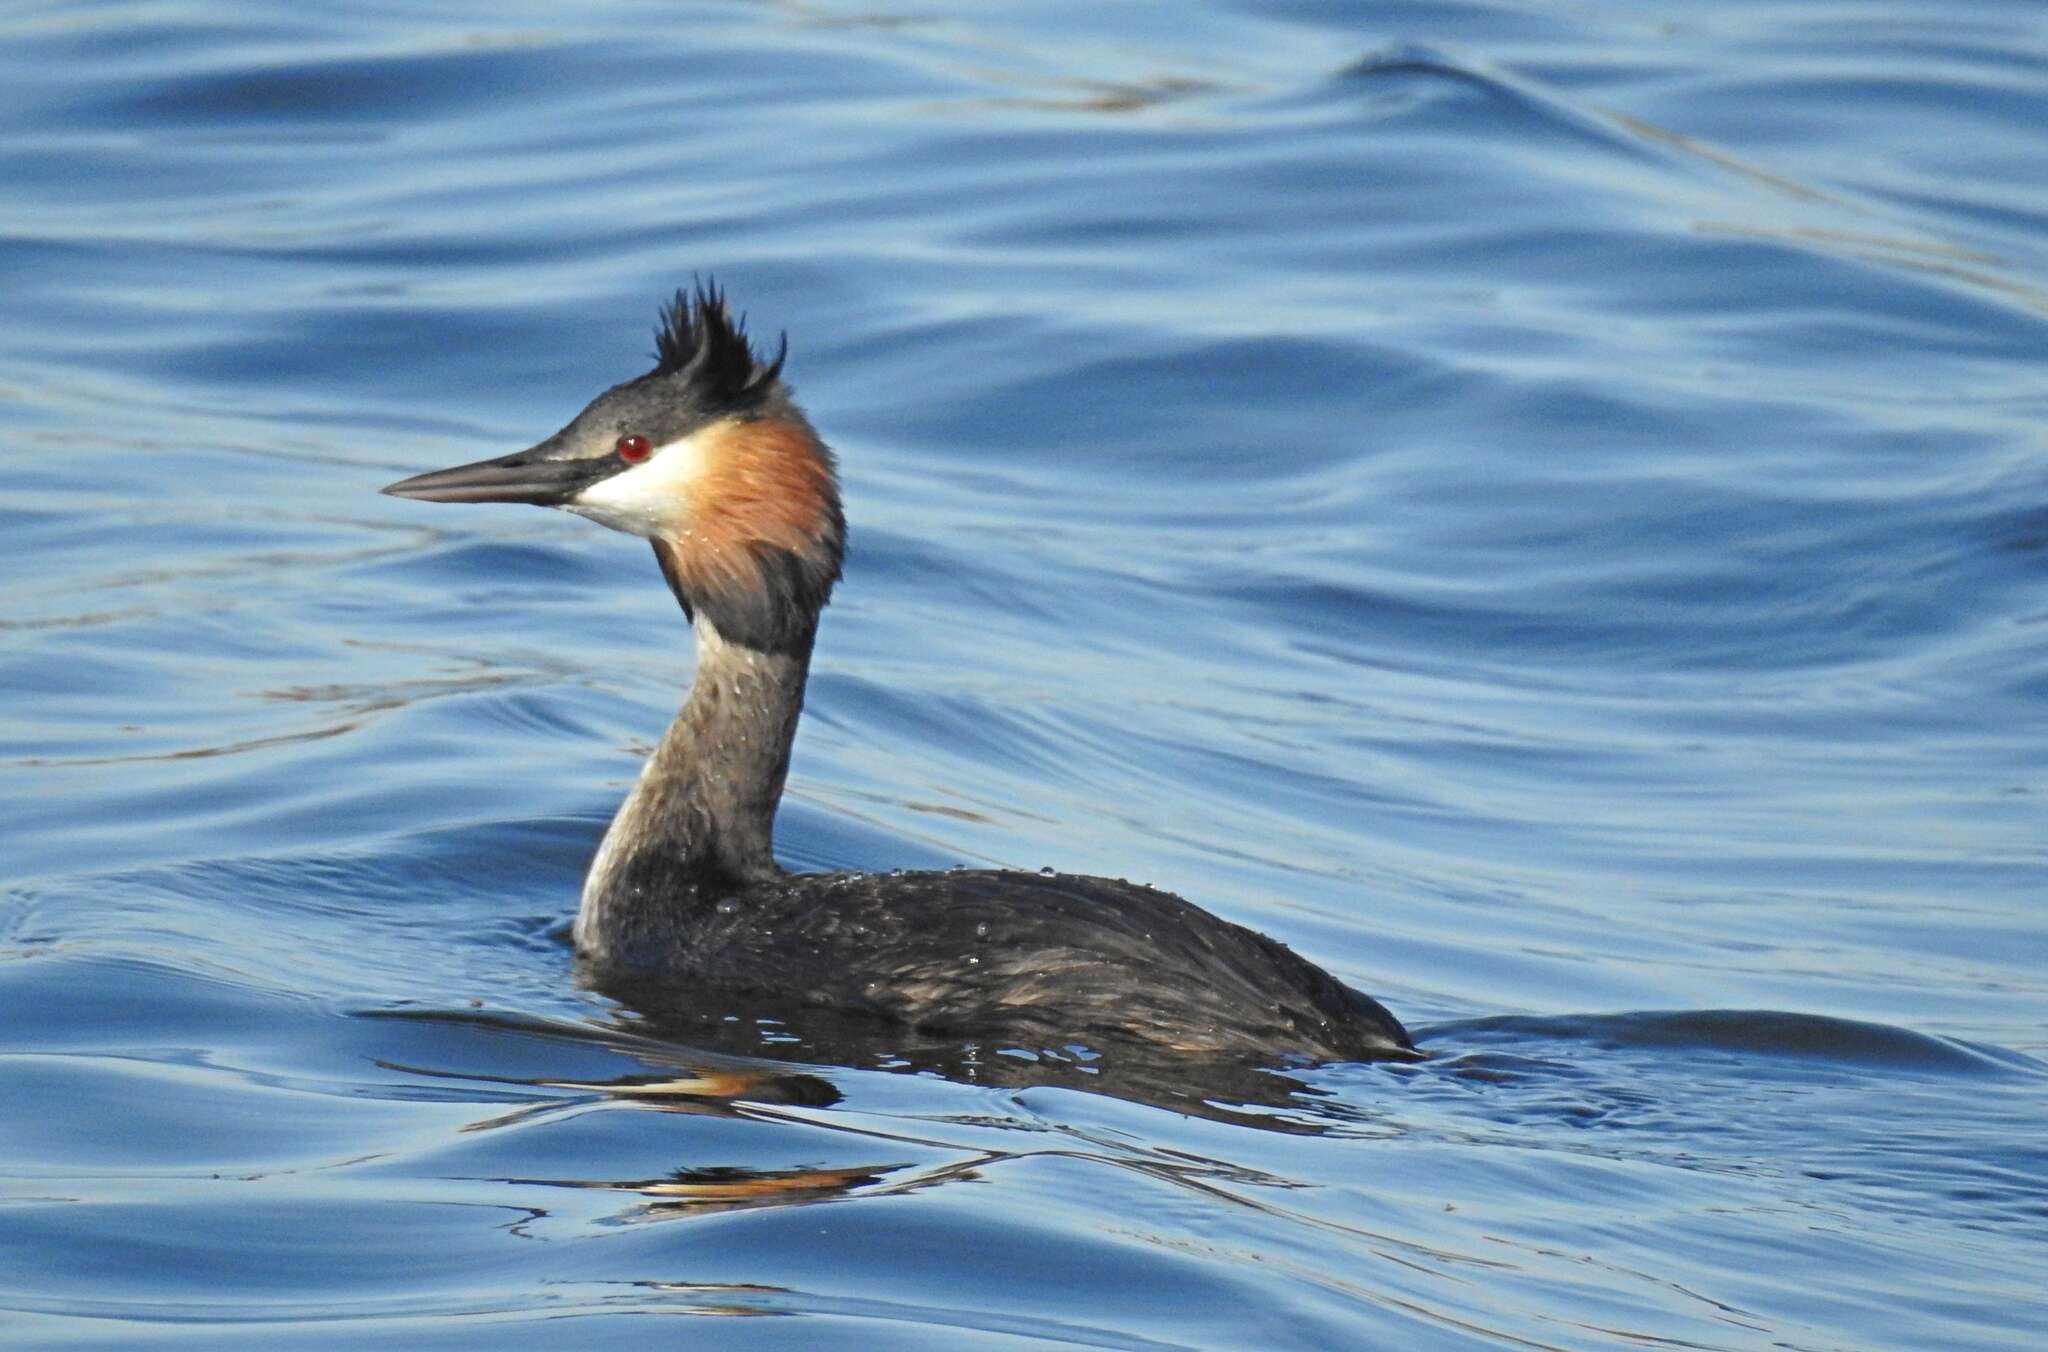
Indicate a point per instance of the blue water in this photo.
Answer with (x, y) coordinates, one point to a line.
(1542, 507)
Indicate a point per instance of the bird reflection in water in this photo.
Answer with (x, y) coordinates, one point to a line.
(752, 1066)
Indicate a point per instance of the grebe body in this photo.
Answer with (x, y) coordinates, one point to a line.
(709, 458)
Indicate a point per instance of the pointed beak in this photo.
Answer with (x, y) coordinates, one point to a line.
(521, 477)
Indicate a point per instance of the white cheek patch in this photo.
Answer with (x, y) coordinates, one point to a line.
(649, 498)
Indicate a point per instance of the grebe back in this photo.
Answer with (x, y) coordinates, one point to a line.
(709, 458)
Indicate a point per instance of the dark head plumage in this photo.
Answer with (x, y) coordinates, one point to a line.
(709, 457)
(701, 341)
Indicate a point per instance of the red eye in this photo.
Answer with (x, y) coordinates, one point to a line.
(634, 449)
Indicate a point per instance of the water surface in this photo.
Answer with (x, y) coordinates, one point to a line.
(1544, 509)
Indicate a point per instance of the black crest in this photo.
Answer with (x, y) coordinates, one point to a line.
(701, 341)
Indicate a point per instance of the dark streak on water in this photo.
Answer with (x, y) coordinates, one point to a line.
(1541, 508)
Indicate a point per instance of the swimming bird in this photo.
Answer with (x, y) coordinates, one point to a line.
(708, 457)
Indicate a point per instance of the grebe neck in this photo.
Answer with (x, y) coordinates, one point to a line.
(700, 821)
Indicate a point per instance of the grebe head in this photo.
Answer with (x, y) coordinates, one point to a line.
(708, 457)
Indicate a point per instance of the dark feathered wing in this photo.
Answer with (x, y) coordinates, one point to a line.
(1044, 960)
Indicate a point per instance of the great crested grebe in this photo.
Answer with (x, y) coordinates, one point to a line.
(709, 458)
